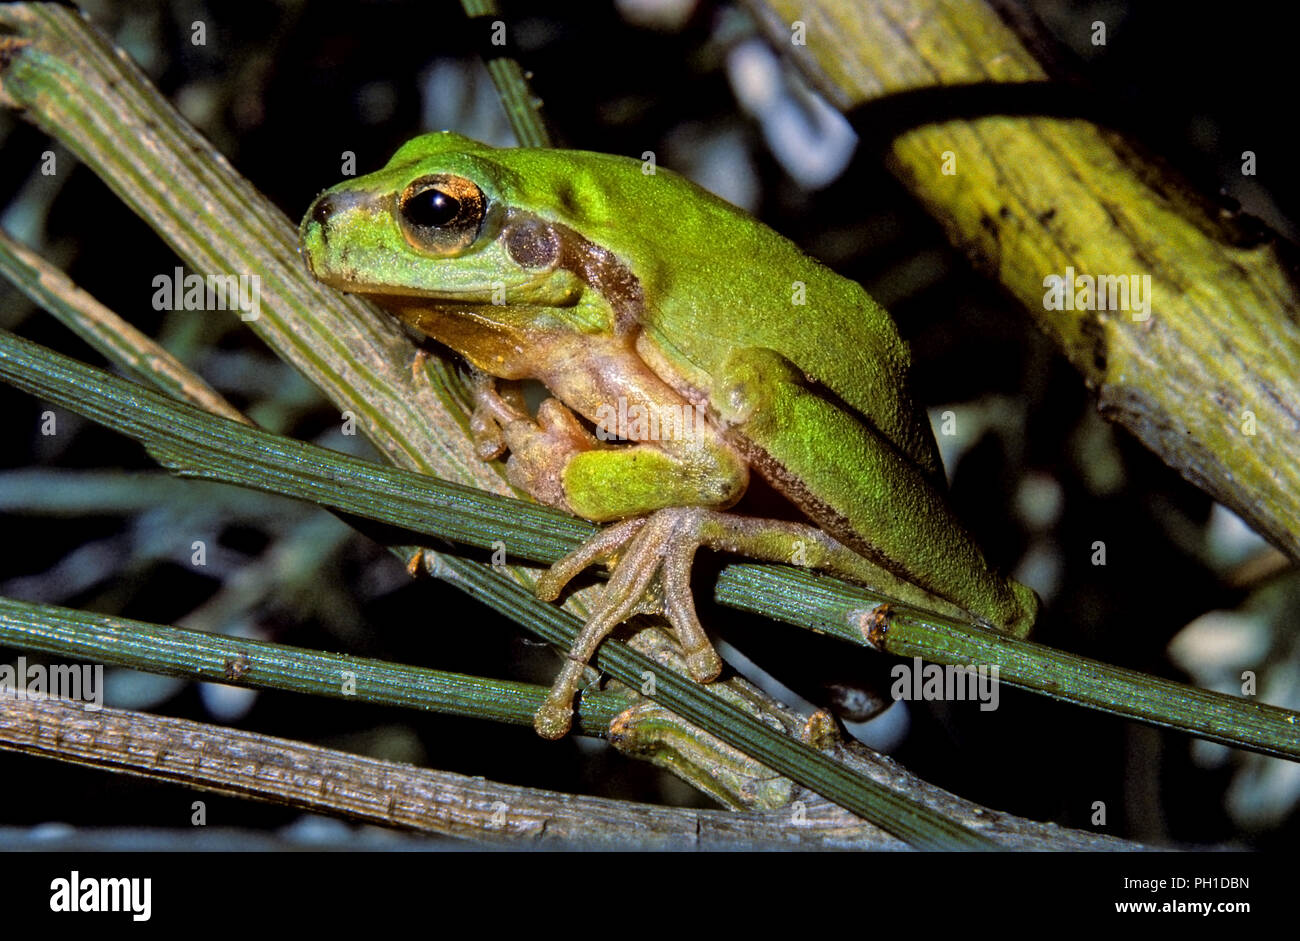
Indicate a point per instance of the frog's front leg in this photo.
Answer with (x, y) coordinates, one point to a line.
(540, 451)
(496, 403)
(539, 447)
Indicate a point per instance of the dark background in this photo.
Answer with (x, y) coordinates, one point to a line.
(284, 88)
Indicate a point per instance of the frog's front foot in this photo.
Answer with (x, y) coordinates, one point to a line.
(540, 447)
(496, 405)
(652, 569)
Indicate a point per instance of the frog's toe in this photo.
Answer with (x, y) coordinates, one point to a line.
(705, 665)
(489, 439)
(678, 554)
(553, 720)
(652, 575)
(600, 546)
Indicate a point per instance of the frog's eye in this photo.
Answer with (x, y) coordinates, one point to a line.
(442, 214)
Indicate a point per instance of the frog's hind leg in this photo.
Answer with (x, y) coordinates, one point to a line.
(652, 564)
(651, 576)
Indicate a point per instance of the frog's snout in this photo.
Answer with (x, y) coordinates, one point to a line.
(327, 216)
(330, 205)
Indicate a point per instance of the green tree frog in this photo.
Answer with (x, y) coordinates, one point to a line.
(685, 345)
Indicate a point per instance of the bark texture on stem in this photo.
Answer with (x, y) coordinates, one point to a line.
(1210, 380)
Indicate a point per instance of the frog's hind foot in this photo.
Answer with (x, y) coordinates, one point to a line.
(652, 567)
(652, 558)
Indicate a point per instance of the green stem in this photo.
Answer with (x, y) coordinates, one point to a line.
(174, 651)
(917, 824)
(195, 443)
(103, 329)
(523, 108)
(849, 612)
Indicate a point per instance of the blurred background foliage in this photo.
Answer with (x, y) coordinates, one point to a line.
(284, 89)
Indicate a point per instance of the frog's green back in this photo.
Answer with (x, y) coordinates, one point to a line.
(714, 278)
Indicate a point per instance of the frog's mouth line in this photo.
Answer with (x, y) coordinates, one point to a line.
(467, 301)
(389, 298)
(349, 280)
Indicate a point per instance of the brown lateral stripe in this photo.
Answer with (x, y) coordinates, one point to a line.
(599, 268)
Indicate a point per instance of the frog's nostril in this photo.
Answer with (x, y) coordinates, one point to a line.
(330, 205)
(321, 211)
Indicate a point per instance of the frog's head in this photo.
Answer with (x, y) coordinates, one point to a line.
(450, 222)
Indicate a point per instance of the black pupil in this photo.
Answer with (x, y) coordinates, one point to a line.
(431, 207)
